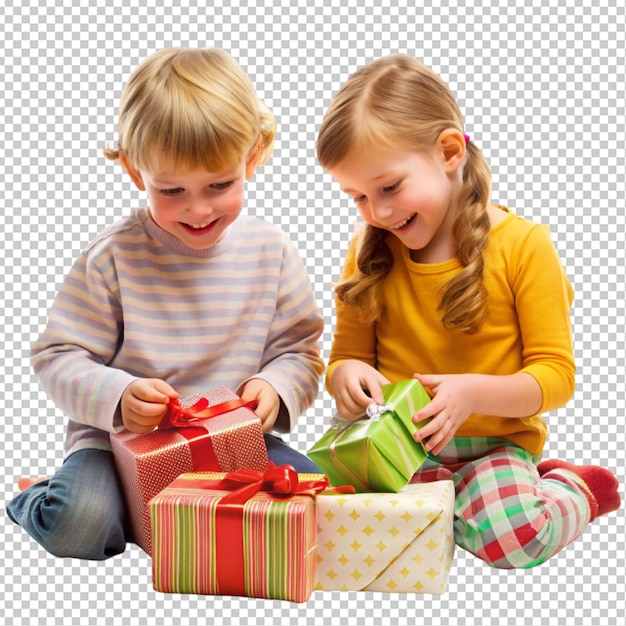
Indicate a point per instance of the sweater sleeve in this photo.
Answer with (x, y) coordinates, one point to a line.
(353, 338)
(543, 298)
(70, 357)
(291, 362)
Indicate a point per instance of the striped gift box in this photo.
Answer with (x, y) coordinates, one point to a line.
(263, 548)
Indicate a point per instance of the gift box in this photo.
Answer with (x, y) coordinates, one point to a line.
(401, 542)
(245, 533)
(215, 431)
(376, 454)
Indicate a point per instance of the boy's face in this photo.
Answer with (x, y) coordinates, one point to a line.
(197, 207)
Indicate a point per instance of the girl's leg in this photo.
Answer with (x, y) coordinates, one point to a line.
(510, 517)
(599, 485)
(281, 454)
(79, 512)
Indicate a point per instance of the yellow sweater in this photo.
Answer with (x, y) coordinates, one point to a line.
(528, 327)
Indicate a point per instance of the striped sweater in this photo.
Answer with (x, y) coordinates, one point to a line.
(139, 304)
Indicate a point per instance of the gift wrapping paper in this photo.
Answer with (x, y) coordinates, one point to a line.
(401, 542)
(263, 548)
(377, 453)
(149, 462)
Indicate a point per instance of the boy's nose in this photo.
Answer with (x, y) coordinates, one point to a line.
(200, 207)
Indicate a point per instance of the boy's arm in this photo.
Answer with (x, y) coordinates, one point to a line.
(292, 364)
(81, 337)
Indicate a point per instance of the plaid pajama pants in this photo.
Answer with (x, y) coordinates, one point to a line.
(505, 513)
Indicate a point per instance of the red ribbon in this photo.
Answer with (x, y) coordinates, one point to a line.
(179, 417)
(277, 480)
(185, 421)
(281, 480)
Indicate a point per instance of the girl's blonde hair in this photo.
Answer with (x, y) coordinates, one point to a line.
(194, 109)
(397, 103)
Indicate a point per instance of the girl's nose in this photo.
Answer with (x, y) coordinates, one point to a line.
(381, 211)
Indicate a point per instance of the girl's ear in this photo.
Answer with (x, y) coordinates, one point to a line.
(132, 172)
(253, 159)
(452, 144)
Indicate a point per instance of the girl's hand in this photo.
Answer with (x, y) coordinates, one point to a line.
(144, 404)
(452, 403)
(268, 401)
(350, 380)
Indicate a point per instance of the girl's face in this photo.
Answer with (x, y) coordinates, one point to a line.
(197, 207)
(410, 194)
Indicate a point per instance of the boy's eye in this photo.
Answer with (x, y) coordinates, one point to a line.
(171, 192)
(390, 188)
(358, 199)
(222, 186)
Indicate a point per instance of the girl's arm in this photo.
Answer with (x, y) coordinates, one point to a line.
(457, 396)
(352, 378)
(543, 297)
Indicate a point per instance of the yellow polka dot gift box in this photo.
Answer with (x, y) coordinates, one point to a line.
(400, 542)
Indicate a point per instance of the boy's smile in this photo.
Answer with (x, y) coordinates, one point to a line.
(197, 207)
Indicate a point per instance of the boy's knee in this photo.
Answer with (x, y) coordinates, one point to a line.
(93, 534)
(83, 526)
(89, 529)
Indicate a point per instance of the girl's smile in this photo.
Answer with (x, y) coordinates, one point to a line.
(405, 224)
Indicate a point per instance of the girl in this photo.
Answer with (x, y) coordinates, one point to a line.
(185, 295)
(466, 297)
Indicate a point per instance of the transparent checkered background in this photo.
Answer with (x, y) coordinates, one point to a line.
(543, 91)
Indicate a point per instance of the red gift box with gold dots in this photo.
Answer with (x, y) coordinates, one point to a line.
(214, 431)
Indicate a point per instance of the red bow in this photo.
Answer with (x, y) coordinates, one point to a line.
(179, 417)
(277, 480)
(281, 480)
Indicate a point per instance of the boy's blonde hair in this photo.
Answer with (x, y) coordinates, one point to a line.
(397, 103)
(192, 109)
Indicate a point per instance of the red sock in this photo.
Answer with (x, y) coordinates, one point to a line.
(602, 486)
(25, 482)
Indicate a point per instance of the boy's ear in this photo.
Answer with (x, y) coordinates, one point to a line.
(453, 148)
(132, 172)
(253, 159)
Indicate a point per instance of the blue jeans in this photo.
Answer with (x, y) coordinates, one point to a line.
(80, 512)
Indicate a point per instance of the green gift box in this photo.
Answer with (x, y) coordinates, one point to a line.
(376, 454)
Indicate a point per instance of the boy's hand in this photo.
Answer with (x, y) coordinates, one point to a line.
(144, 404)
(268, 401)
(350, 380)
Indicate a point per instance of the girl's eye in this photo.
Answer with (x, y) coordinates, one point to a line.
(358, 199)
(391, 188)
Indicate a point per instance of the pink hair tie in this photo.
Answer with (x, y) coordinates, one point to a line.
(467, 138)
